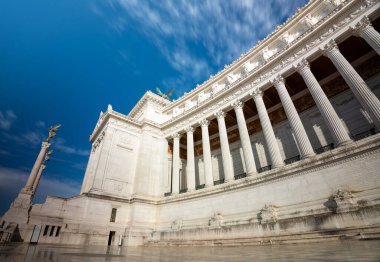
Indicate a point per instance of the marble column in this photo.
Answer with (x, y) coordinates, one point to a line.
(209, 179)
(36, 167)
(365, 30)
(244, 138)
(190, 167)
(37, 181)
(225, 147)
(357, 85)
(330, 117)
(176, 163)
(303, 142)
(274, 151)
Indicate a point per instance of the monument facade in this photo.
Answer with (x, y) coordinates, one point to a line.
(281, 146)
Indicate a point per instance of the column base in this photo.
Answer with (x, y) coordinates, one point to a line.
(277, 166)
(251, 174)
(345, 143)
(18, 212)
(308, 156)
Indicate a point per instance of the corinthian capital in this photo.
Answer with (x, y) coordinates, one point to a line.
(204, 122)
(256, 93)
(189, 129)
(176, 136)
(237, 104)
(303, 64)
(277, 81)
(220, 114)
(362, 25)
(330, 47)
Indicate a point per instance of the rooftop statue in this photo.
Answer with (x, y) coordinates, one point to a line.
(163, 95)
(52, 132)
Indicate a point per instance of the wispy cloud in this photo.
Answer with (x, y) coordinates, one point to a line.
(6, 119)
(60, 145)
(34, 138)
(4, 152)
(40, 124)
(198, 37)
(28, 138)
(12, 180)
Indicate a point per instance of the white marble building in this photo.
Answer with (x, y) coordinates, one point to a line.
(280, 146)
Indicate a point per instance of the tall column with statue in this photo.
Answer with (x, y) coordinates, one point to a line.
(18, 212)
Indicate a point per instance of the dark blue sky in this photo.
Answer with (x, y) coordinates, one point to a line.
(64, 61)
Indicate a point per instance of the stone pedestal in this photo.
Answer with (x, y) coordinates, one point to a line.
(19, 209)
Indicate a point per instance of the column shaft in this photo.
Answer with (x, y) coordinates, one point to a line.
(304, 145)
(274, 151)
(176, 162)
(330, 117)
(190, 168)
(244, 139)
(209, 180)
(38, 178)
(359, 88)
(36, 167)
(225, 148)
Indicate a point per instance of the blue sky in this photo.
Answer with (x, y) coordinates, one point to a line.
(64, 61)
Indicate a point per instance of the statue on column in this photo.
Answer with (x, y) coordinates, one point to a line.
(19, 210)
(52, 132)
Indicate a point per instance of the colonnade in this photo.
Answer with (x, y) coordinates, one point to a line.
(340, 135)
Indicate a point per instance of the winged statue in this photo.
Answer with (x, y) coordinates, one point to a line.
(163, 95)
(52, 132)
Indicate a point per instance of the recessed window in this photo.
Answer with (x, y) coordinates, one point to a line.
(51, 231)
(2, 224)
(113, 215)
(57, 232)
(46, 230)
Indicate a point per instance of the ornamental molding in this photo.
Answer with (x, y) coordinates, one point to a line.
(330, 27)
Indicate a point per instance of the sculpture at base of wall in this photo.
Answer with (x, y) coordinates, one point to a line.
(216, 221)
(268, 214)
(341, 201)
(176, 225)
